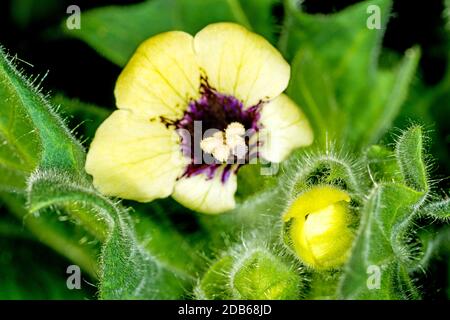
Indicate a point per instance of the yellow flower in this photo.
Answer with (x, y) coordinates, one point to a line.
(320, 232)
(176, 86)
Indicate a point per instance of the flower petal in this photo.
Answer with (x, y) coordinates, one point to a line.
(161, 77)
(284, 128)
(315, 199)
(241, 63)
(134, 158)
(206, 195)
(322, 239)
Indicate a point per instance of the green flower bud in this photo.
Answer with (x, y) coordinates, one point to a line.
(250, 274)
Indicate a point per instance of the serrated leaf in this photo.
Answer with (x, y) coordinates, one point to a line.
(116, 31)
(379, 246)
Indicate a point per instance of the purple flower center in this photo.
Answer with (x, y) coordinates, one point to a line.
(217, 111)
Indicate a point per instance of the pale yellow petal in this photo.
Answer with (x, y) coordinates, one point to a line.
(206, 195)
(321, 230)
(315, 199)
(161, 77)
(241, 63)
(134, 158)
(284, 128)
(322, 239)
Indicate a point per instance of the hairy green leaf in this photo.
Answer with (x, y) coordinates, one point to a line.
(132, 266)
(131, 272)
(20, 146)
(438, 210)
(34, 136)
(381, 245)
(378, 246)
(26, 112)
(409, 153)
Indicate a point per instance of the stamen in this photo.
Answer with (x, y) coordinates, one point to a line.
(235, 129)
(235, 140)
(234, 133)
(211, 143)
(216, 146)
(221, 144)
(221, 153)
